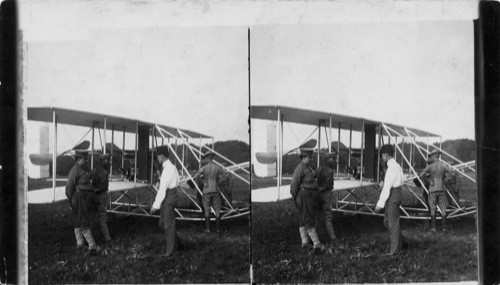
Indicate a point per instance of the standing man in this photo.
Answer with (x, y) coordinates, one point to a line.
(304, 190)
(324, 175)
(82, 201)
(165, 201)
(100, 183)
(437, 191)
(390, 198)
(226, 184)
(211, 191)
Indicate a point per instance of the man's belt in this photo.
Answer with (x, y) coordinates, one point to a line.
(84, 190)
(308, 189)
(100, 191)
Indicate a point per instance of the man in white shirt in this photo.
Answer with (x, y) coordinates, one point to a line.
(390, 198)
(166, 199)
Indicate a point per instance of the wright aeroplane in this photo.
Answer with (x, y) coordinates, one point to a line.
(358, 194)
(135, 196)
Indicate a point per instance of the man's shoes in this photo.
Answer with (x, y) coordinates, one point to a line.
(432, 230)
(80, 246)
(168, 255)
(317, 249)
(94, 250)
(306, 245)
(207, 231)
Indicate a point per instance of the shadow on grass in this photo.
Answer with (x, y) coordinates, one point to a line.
(278, 257)
(134, 255)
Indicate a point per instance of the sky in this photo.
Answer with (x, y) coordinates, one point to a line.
(417, 74)
(184, 64)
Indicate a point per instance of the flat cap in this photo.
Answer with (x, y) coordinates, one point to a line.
(209, 153)
(331, 155)
(434, 152)
(81, 153)
(162, 151)
(387, 148)
(306, 152)
(104, 156)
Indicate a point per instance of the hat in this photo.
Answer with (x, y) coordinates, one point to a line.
(209, 153)
(104, 156)
(80, 154)
(387, 148)
(331, 155)
(434, 152)
(162, 151)
(306, 152)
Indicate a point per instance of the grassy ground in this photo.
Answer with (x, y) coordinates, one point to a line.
(134, 254)
(277, 255)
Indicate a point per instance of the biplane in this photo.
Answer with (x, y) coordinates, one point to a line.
(358, 194)
(135, 196)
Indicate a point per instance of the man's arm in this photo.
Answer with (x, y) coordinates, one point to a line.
(424, 172)
(389, 180)
(70, 185)
(328, 181)
(165, 180)
(295, 186)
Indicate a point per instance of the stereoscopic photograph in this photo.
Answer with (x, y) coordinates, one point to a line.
(248, 142)
(137, 145)
(363, 151)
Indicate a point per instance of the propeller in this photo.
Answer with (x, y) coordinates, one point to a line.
(270, 157)
(40, 159)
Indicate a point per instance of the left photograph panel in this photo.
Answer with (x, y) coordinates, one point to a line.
(136, 146)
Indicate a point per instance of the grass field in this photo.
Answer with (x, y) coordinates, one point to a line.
(134, 254)
(277, 256)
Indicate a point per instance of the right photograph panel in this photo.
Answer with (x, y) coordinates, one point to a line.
(363, 152)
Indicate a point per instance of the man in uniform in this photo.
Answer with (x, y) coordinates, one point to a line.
(427, 184)
(165, 201)
(437, 191)
(324, 175)
(82, 201)
(226, 184)
(390, 198)
(211, 191)
(100, 182)
(304, 190)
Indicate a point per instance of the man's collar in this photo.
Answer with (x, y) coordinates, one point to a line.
(391, 160)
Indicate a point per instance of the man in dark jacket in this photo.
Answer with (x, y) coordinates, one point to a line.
(304, 190)
(82, 201)
(100, 183)
(324, 175)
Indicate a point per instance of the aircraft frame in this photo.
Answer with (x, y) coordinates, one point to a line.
(124, 198)
(350, 194)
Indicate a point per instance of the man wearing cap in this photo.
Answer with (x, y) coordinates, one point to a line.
(82, 201)
(304, 190)
(426, 180)
(437, 192)
(226, 184)
(211, 191)
(390, 198)
(100, 183)
(165, 201)
(324, 175)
